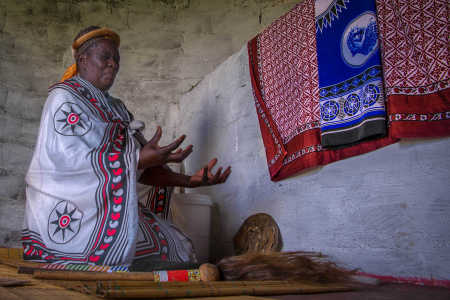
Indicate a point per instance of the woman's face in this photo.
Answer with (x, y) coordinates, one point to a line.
(100, 63)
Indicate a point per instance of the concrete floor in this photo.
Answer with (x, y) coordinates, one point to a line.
(380, 292)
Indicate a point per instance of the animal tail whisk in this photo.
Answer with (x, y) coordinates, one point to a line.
(307, 266)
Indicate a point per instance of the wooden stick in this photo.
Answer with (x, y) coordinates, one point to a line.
(213, 290)
(124, 284)
(206, 272)
(77, 275)
(7, 282)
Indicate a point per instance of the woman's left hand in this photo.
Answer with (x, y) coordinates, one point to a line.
(153, 155)
(205, 176)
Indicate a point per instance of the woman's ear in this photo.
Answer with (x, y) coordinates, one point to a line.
(81, 59)
(81, 62)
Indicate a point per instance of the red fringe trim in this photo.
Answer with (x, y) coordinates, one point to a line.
(409, 280)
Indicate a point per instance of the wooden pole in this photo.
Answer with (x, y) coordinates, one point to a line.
(206, 272)
(77, 275)
(125, 284)
(215, 290)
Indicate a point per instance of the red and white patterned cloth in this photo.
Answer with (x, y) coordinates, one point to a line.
(289, 72)
(416, 65)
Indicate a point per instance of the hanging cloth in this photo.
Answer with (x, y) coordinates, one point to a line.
(350, 76)
(284, 72)
(416, 65)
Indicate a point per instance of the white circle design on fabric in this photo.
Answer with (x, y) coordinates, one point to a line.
(71, 120)
(64, 222)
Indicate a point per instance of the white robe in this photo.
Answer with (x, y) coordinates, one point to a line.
(82, 204)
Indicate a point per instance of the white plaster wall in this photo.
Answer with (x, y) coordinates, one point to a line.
(386, 212)
(167, 46)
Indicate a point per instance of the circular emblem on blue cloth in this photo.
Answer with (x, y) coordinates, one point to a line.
(70, 119)
(360, 40)
(64, 222)
(352, 104)
(329, 110)
(371, 94)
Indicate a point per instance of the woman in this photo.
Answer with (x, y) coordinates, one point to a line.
(82, 205)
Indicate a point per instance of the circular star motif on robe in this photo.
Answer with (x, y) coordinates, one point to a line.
(71, 120)
(64, 222)
(329, 110)
(371, 94)
(352, 104)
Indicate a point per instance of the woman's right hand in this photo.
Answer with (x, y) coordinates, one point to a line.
(152, 155)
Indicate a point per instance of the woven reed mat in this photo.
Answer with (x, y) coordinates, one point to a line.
(11, 259)
(37, 289)
(11, 253)
(14, 257)
(86, 290)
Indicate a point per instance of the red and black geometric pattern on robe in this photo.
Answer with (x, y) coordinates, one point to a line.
(161, 241)
(416, 65)
(112, 194)
(108, 153)
(157, 200)
(284, 74)
(109, 164)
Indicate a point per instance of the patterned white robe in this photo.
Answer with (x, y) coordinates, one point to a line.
(82, 204)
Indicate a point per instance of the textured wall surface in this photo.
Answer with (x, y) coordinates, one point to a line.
(386, 212)
(167, 48)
